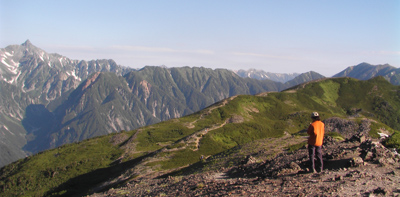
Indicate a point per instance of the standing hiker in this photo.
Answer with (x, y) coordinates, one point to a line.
(316, 132)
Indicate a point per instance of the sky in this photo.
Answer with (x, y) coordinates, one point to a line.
(275, 36)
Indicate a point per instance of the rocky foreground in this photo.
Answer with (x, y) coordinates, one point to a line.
(357, 166)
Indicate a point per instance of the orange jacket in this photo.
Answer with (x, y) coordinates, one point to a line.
(316, 132)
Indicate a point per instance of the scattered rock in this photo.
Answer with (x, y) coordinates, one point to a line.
(338, 178)
(368, 156)
(347, 128)
(294, 166)
(249, 160)
(383, 191)
(236, 119)
(356, 161)
(386, 161)
(359, 138)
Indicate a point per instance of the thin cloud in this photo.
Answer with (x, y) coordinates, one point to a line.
(57, 48)
(383, 53)
(157, 49)
(142, 48)
(203, 52)
(267, 56)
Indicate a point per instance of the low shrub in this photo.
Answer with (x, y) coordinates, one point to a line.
(295, 147)
(393, 141)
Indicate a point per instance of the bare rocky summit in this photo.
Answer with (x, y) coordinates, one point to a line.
(356, 166)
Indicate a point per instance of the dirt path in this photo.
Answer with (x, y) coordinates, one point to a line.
(221, 104)
(189, 140)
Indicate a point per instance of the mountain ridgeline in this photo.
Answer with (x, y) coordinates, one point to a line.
(215, 137)
(365, 71)
(48, 100)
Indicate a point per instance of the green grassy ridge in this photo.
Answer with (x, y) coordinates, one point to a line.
(38, 174)
(264, 117)
(274, 114)
(263, 124)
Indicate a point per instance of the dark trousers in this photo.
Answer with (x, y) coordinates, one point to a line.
(315, 151)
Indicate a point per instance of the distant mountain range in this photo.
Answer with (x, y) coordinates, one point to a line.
(289, 79)
(260, 74)
(47, 100)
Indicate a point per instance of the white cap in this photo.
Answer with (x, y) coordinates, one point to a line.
(314, 114)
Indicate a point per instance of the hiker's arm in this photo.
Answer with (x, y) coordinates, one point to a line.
(310, 130)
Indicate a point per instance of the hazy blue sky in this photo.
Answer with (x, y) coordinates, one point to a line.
(275, 36)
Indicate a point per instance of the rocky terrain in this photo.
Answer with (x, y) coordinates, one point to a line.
(355, 166)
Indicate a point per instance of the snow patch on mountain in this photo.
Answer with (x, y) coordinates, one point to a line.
(13, 79)
(262, 75)
(72, 73)
(12, 66)
(6, 128)
(9, 54)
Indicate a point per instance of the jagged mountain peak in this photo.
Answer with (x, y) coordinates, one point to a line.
(33, 50)
(27, 43)
(22, 64)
